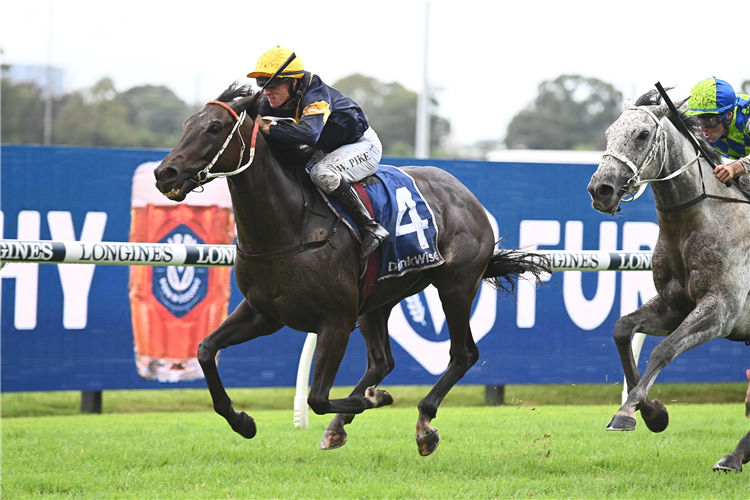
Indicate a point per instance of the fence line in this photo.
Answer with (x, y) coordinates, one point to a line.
(173, 254)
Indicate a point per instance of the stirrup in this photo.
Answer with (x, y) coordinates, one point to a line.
(371, 239)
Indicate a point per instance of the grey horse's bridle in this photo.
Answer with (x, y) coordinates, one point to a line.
(635, 185)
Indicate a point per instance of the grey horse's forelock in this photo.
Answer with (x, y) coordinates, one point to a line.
(650, 98)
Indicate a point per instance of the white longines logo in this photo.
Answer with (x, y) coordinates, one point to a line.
(428, 341)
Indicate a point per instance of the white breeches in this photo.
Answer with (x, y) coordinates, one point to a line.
(352, 162)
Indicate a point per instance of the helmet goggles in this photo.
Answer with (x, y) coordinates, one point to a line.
(268, 83)
(710, 120)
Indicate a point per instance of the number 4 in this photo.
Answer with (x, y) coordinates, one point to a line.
(417, 225)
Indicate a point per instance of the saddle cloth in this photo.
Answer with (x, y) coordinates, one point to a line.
(399, 207)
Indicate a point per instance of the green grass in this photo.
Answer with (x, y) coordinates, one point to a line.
(548, 451)
(69, 403)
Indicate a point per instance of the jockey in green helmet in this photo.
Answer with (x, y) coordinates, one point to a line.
(724, 118)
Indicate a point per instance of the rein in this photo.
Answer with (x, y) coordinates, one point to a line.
(301, 247)
(278, 254)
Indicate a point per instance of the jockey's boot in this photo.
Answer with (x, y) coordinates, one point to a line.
(372, 233)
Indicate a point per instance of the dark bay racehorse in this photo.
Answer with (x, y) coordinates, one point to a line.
(701, 261)
(298, 267)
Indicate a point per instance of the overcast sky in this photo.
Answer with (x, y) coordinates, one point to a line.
(486, 58)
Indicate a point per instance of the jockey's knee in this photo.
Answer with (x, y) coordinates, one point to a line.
(325, 177)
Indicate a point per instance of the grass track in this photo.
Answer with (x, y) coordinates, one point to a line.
(31, 404)
(486, 452)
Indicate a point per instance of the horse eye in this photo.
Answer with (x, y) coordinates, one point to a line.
(643, 135)
(214, 128)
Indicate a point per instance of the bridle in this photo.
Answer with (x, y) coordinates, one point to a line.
(206, 175)
(635, 185)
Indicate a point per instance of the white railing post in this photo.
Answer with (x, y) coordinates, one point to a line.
(637, 344)
(303, 376)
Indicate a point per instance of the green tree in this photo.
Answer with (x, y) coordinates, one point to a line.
(22, 117)
(94, 117)
(391, 110)
(156, 114)
(146, 116)
(21, 105)
(570, 112)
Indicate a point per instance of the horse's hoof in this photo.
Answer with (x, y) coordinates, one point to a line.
(332, 440)
(621, 423)
(378, 397)
(729, 463)
(655, 415)
(429, 442)
(246, 426)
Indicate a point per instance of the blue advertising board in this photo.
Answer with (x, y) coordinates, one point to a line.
(70, 326)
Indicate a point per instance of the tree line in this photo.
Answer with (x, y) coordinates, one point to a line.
(570, 112)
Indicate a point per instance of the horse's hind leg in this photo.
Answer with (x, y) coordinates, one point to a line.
(245, 323)
(333, 336)
(656, 319)
(464, 353)
(374, 328)
(740, 455)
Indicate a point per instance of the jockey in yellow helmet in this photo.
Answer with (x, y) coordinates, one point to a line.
(324, 118)
(724, 120)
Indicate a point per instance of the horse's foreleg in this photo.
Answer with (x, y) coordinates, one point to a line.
(329, 351)
(707, 321)
(380, 362)
(244, 324)
(653, 318)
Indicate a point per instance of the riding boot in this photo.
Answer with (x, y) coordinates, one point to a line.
(372, 232)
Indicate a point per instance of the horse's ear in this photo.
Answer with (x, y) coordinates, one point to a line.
(244, 104)
(628, 104)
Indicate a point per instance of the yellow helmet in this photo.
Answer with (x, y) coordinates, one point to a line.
(270, 61)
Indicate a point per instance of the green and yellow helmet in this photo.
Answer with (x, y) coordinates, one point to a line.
(270, 61)
(711, 96)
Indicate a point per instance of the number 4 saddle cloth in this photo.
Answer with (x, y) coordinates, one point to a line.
(393, 199)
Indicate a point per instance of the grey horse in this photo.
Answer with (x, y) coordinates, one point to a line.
(701, 261)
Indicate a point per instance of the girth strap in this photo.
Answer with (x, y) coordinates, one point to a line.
(280, 254)
(299, 248)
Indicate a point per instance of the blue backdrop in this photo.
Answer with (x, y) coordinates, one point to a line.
(560, 333)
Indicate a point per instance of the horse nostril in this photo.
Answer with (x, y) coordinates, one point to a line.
(167, 174)
(605, 191)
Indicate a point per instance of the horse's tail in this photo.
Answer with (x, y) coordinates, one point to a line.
(508, 265)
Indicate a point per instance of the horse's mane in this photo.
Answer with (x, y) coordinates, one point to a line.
(653, 98)
(235, 91)
(293, 155)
